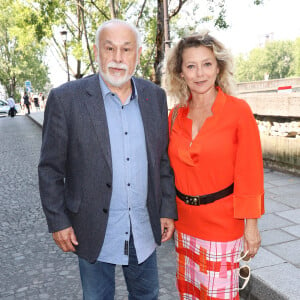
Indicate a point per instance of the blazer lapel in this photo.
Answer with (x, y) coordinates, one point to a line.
(148, 118)
(95, 106)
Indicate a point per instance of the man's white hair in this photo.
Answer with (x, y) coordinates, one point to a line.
(121, 22)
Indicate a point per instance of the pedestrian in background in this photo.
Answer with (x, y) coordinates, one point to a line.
(26, 102)
(105, 181)
(36, 102)
(12, 107)
(41, 101)
(22, 104)
(216, 156)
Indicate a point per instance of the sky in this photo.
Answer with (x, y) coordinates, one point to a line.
(249, 26)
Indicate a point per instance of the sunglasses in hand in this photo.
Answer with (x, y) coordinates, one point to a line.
(244, 271)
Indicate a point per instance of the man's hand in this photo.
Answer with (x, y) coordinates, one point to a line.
(167, 229)
(65, 239)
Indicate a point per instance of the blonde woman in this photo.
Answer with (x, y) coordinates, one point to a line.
(216, 156)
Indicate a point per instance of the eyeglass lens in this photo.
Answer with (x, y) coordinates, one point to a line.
(245, 257)
(244, 272)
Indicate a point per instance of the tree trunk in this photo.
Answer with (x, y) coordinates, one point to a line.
(159, 56)
(87, 42)
(112, 9)
(80, 12)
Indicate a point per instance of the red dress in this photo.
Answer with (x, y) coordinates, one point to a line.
(226, 150)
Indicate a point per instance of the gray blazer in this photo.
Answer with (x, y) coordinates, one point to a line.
(75, 168)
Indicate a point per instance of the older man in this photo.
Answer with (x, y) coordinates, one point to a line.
(105, 181)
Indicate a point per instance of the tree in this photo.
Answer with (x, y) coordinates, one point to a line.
(81, 18)
(251, 67)
(276, 59)
(21, 56)
(296, 65)
(279, 56)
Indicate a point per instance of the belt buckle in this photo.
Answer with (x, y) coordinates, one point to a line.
(196, 200)
(192, 200)
(187, 200)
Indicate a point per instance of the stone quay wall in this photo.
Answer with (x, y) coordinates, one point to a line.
(268, 85)
(278, 119)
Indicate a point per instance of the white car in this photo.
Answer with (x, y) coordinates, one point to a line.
(4, 107)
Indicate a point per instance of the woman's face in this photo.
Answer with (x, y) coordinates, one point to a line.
(199, 69)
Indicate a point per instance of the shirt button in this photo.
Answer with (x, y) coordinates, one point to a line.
(108, 185)
(128, 184)
(127, 158)
(126, 232)
(105, 210)
(113, 94)
(126, 132)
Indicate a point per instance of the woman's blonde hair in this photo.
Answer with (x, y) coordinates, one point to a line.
(173, 82)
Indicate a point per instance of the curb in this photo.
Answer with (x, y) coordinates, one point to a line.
(35, 120)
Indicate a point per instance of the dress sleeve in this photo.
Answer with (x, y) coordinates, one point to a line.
(248, 195)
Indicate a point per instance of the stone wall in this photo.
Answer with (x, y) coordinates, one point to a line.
(267, 85)
(278, 119)
(273, 127)
(281, 153)
(274, 104)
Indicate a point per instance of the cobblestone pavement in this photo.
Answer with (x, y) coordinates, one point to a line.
(32, 266)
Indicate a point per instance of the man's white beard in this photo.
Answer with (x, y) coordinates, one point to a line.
(113, 79)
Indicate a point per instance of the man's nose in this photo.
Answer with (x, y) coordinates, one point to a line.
(118, 56)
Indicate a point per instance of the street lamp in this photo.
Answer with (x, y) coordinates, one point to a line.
(64, 38)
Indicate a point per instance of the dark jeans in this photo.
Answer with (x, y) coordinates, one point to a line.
(98, 280)
(28, 108)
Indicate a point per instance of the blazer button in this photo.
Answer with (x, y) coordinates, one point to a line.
(108, 185)
(105, 210)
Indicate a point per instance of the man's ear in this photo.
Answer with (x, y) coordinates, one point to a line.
(96, 53)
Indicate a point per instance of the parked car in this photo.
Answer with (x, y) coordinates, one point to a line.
(4, 107)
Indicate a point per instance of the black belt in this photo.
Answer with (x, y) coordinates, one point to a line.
(205, 199)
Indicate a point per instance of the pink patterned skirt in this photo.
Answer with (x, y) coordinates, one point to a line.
(207, 270)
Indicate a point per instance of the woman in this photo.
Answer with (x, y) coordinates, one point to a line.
(215, 151)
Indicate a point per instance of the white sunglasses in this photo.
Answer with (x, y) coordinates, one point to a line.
(244, 270)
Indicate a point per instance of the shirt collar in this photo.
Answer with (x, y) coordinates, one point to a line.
(219, 101)
(105, 89)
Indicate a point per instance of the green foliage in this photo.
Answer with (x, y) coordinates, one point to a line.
(280, 56)
(220, 21)
(56, 14)
(40, 22)
(276, 60)
(21, 54)
(258, 2)
(296, 65)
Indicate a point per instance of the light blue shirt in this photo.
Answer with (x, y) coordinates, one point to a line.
(128, 209)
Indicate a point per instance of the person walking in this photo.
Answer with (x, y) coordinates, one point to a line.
(12, 106)
(216, 156)
(27, 102)
(42, 101)
(105, 180)
(36, 102)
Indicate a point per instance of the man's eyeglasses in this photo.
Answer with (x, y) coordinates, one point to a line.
(244, 271)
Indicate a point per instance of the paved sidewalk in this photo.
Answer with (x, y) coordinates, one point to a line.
(276, 268)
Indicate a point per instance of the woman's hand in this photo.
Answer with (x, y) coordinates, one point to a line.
(252, 238)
